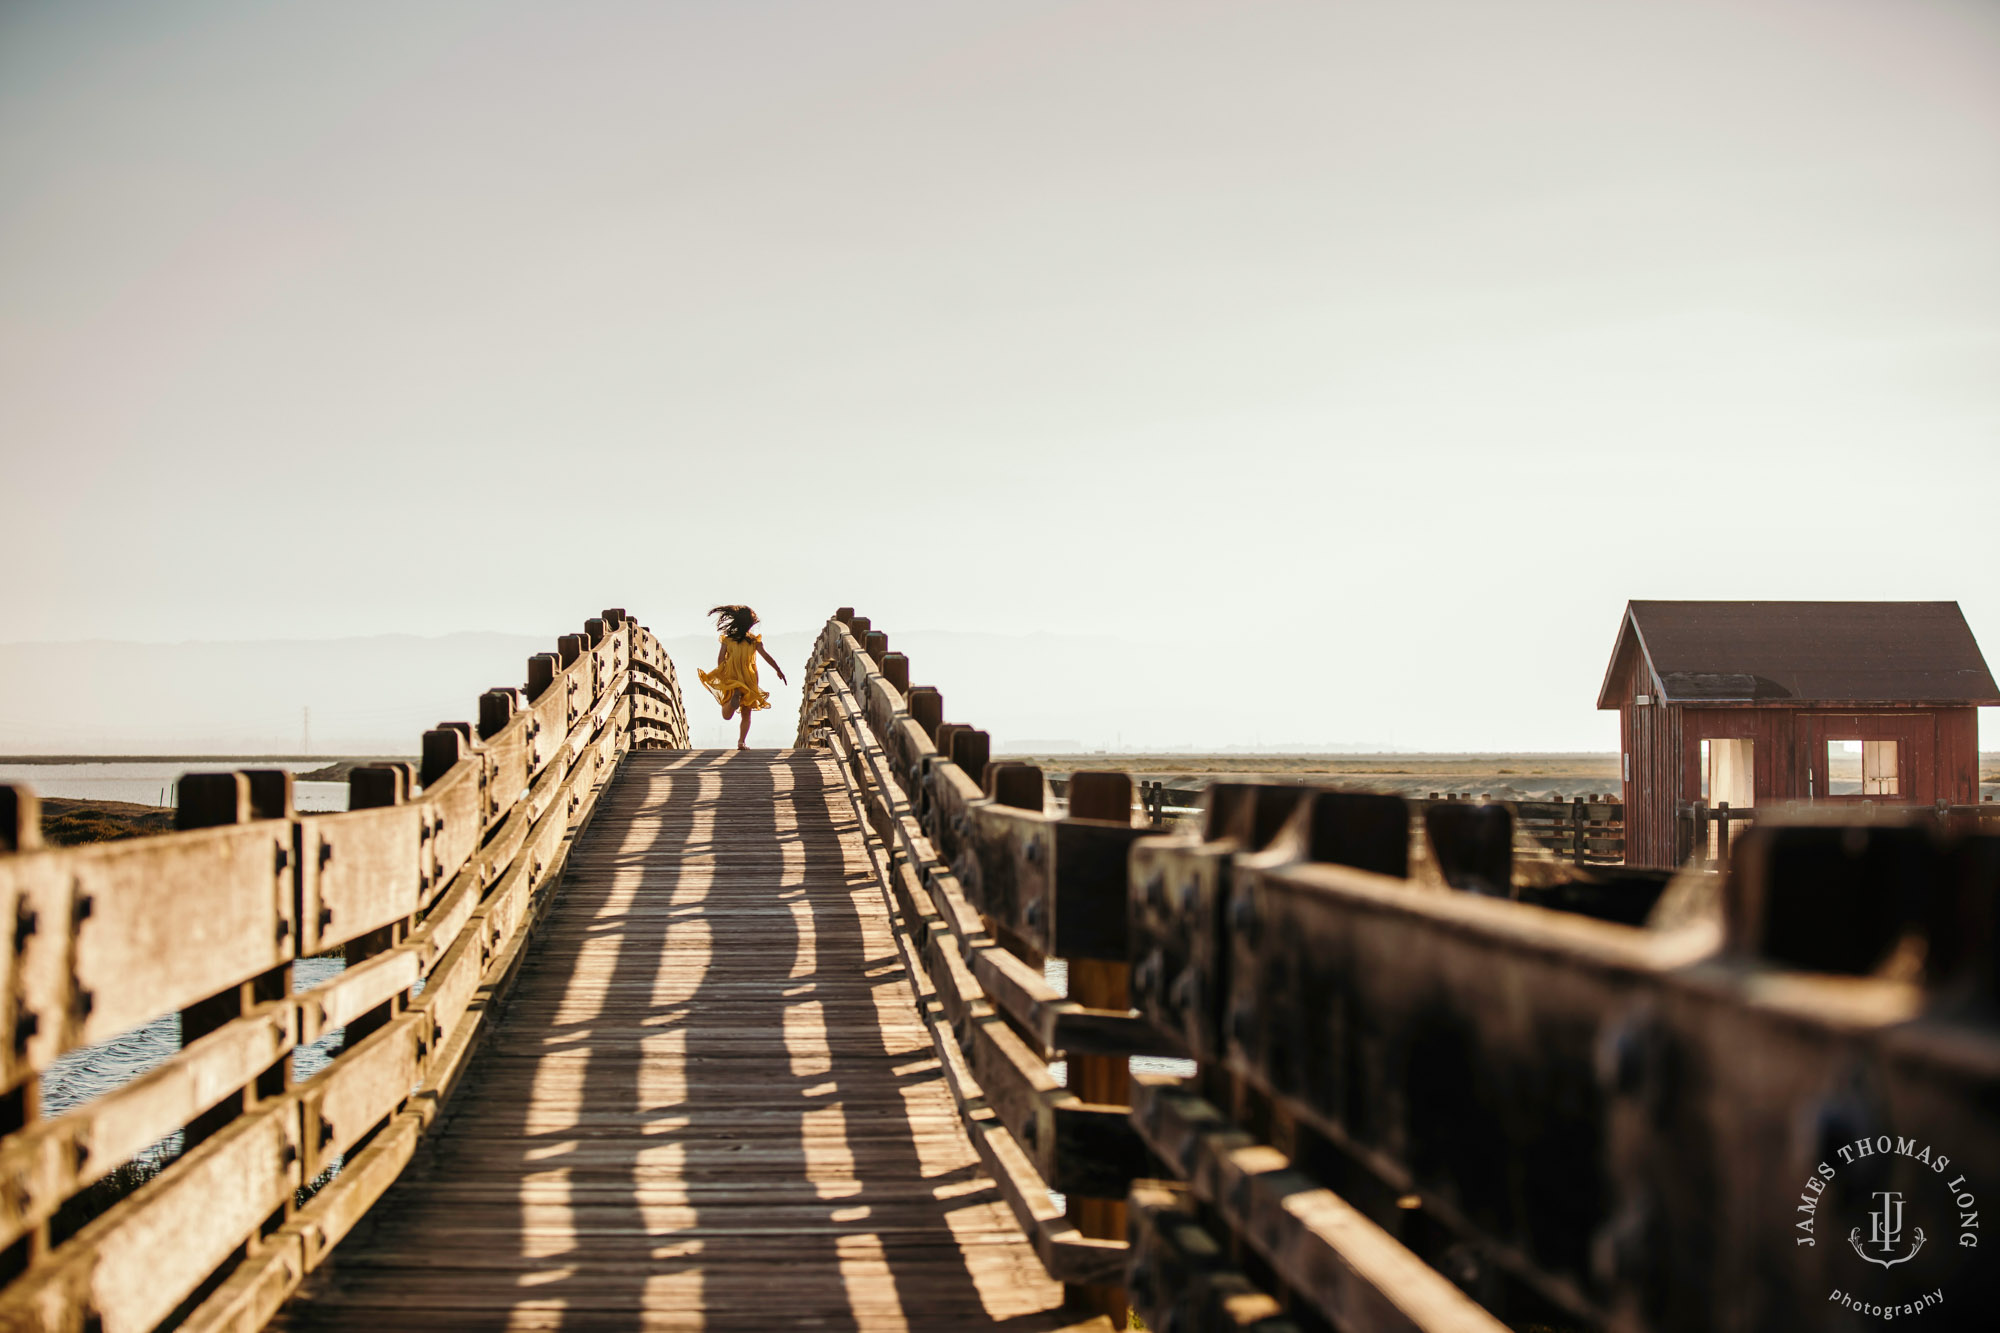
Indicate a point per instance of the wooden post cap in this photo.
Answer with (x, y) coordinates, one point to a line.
(926, 709)
(942, 736)
(1101, 795)
(970, 750)
(1962, 926)
(542, 668)
(860, 625)
(372, 786)
(496, 710)
(845, 615)
(876, 645)
(443, 747)
(896, 670)
(1361, 829)
(1473, 846)
(20, 818)
(594, 630)
(1826, 898)
(270, 793)
(208, 800)
(569, 647)
(1016, 785)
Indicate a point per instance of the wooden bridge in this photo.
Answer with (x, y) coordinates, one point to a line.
(631, 1035)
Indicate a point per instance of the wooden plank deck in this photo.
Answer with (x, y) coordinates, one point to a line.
(711, 1103)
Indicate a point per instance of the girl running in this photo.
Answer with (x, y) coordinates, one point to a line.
(734, 680)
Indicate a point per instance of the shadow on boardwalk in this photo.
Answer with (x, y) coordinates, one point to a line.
(711, 1104)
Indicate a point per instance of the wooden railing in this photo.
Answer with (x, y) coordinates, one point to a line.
(970, 862)
(1417, 1104)
(431, 883)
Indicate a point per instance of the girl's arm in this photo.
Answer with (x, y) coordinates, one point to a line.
(773, 661)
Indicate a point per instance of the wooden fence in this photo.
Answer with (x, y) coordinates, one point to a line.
(1418, 1105)
(1704, 834)
(431, 884)
(1155, 800)
(1583, 830)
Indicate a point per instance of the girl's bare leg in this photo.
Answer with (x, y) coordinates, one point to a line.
(743, 735)
(729, 705)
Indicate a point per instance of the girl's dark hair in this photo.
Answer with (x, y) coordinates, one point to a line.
(734, 621)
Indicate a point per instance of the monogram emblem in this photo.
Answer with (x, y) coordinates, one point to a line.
(1885, 1232)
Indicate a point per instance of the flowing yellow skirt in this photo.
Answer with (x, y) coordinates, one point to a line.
(736, 675)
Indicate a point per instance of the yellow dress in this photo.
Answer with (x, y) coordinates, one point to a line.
(737, 673)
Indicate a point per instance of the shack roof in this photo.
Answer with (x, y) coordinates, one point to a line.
(1802, 652)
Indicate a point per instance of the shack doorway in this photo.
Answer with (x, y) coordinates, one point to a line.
(1729, 772)
(1727, 778)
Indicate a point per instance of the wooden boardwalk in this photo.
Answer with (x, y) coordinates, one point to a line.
(712, 1103)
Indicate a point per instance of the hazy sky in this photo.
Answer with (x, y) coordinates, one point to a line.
(1352, 362)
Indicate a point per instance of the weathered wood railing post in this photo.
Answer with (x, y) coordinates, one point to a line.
(20, 819)
(1095, 983)
(971, 750)
(20, 1106)
(271, 797)
(374, 787)
(209, 800)
(927, 709)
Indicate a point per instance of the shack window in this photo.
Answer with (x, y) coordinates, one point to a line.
(1862, 768)
(1728, 772)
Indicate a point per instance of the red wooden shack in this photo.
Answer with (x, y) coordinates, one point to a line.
(1752, 703)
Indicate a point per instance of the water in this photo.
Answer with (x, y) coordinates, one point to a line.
(84, 1075)
(152, 782)
(1055, 971)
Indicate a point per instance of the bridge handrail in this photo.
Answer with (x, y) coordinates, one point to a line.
(1583, 1120)
(429, 883)
(997, 1022)
(986, 886)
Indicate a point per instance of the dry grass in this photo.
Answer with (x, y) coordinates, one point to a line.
(1512, 775)
(68, 823)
